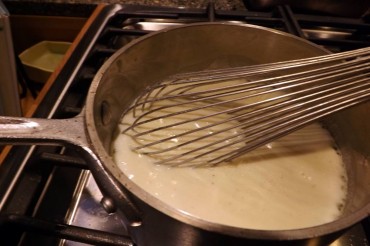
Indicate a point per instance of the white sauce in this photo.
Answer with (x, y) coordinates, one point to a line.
(295, 182)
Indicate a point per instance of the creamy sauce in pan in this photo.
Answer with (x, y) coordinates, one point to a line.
(295, 182)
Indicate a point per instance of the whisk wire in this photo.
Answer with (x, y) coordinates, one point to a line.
(269, 129)
(289, 85)
(261, 111)
(253, 69)
(299, 122)
(239, 109)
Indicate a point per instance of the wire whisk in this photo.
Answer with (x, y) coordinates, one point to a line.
(214, 116)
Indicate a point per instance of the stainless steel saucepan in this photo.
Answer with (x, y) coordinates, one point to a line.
(184, 49)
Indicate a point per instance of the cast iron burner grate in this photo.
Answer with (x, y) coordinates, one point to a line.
(42, 188)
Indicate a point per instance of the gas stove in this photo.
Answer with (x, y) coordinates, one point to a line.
(49, 197)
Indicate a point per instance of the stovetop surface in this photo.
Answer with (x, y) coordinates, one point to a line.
(53, 184)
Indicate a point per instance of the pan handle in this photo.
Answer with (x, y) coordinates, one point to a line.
(18, 130)
(66, 132)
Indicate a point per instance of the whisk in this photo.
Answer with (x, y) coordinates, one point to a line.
(213, 116)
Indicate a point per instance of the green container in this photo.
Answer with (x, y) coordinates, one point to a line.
(43, 58)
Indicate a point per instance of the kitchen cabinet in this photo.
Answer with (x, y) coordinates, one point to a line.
(28, 30)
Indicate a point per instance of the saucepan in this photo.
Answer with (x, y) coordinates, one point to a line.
(185, 49)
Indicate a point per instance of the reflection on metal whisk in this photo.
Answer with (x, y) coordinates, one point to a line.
(214, 116)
